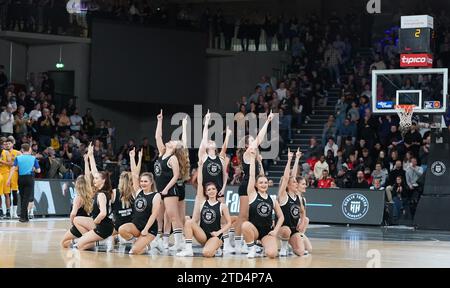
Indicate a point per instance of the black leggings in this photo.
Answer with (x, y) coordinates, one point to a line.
(15, 199)
(26, 187)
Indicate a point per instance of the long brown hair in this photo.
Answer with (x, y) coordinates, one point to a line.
(152, 180)
(243, 145)
(182, 155)
(84, 191)
(107, 187)
(126, 189)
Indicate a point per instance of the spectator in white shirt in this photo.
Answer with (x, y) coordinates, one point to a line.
(331, 146)
(320, 166)
(413, 174)
(7, 121)
(76, 121)
(281, 91)
(36, 113)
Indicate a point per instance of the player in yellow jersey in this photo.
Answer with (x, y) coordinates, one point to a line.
(7, 157)
(4, 162)
(15, 178)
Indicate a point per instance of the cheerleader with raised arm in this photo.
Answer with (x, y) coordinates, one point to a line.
(260, 225)
(214, 170)
(304, 220)
(168, 169)
(205, 225)
(82, 204)
(102, 226)
(292, 208)
(244, 159)
(143, 227)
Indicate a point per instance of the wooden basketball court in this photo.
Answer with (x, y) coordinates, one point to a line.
(36, 244)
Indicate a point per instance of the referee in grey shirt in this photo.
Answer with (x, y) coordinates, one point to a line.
(27, 165)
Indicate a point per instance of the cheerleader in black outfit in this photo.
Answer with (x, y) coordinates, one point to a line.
(147, 202)
(244, 158)
(101, 227)
(205, 226)
(261, 207)
(292, 208)
(168, 169)
(82, 204)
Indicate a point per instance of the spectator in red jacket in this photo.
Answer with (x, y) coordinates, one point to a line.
(325, 181)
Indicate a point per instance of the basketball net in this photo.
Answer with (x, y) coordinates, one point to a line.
(405, 113)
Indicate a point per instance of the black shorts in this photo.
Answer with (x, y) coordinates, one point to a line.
(263, 231)
(243, 189)
(293, 231)
(104, 230)
(153, 229)
(209, 236)
(181, 193)
(118, 223)
(75, 232)
(173, 192)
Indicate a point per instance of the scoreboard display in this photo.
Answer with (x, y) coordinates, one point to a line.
(416, 40)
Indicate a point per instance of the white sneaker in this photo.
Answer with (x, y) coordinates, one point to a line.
(227, 250)
(283, 253)
(244, 248)
(306, 253)
(122, 241)
(219, 253)
(251, 253)
(185, 253)
(176, 247)
(165, 245)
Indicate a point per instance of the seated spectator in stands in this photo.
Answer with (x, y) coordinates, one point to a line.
(331, 146)
(71, 107)
(377, 185)
(237, 176)
(63, 123)
(287, 103)
(348, 129)
(281, 91)
(340, 110)
(360, 182)
(368, 175)
(314, 149)
(255, 96)
(339, 160)
(55, 144)
(89, 123)
(398, 195)
(310, 180)
(325, 180)
(397, 171)
(363, 107)
(46, 129)
(378, 63)
(375, 151)
(384, 128)
(348, 148)
(367, 160)
(353, 113)
(102, 132)
(270, 183)
(396, 140)
(239, 118)
(297, 110)
(36, 113)
(344, 178)
(413, 140)
(319, 167)
(413, 173)
(21, 122)
(76, 121)
(53, 165)
(362, 144)
(407, 160)
(284, 130)
(424, 151)
(264, 84)
(329, 129)
(380, 173)
(7, 121)
(333, 185)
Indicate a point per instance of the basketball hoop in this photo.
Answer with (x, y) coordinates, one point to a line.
(405, 113)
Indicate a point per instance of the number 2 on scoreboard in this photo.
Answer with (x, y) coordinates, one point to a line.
(417, 34)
